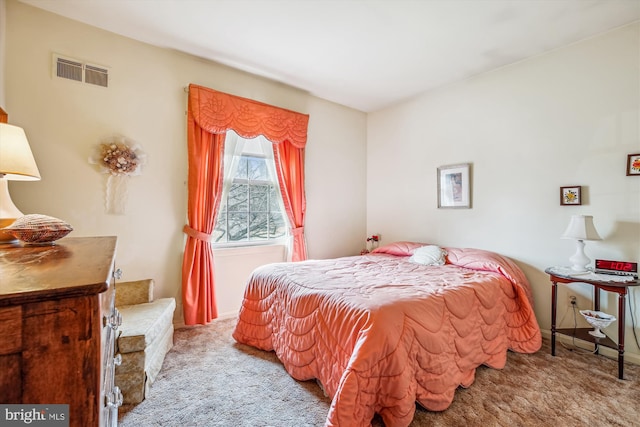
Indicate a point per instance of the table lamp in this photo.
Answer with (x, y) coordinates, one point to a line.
(16, 164)
(580, 229)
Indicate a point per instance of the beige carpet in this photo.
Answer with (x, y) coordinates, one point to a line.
(209, 380)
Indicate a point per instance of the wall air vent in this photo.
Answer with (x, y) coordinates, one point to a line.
(69, 69)
(74, 69)
(96, 75)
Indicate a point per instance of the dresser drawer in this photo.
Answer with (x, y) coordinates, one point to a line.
(10, 330)
(10, 378)
(10, 358)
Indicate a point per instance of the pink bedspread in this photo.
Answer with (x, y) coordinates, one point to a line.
(381, 333)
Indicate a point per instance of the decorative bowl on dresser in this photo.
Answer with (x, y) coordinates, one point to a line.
(58, 325)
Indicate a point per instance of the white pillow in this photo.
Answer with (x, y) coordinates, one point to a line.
(429, 255)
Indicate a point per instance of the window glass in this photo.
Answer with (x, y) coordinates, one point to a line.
(251, 211)
(237, 200)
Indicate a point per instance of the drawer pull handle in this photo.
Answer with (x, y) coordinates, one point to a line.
(117, 361)
(114, 397)
(113, 320)
(119, 397)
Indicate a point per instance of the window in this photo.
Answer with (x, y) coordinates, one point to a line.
(251, 210)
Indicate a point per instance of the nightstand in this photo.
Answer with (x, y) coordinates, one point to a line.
(565, 275)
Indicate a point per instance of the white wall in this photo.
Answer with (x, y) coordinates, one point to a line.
(234, 265)
(569, 117)
(146, 102)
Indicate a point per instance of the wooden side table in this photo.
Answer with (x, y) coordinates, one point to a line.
(562, 275)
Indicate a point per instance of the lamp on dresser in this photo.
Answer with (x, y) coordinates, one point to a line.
(16, 164)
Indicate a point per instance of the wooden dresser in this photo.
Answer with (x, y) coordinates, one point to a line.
(57, 327)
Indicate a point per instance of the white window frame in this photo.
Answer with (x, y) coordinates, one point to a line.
(266, 154)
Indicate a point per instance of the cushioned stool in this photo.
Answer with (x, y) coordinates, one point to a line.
(144, 338)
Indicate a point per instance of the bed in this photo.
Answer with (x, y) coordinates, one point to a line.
(382, 331)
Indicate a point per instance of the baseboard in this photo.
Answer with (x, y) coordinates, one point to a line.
(604, 351)
(229, 315)
(179, 323)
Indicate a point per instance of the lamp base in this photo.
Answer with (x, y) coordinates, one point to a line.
(9, 212)
(579, 261)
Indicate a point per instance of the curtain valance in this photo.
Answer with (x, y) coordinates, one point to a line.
(218, 112)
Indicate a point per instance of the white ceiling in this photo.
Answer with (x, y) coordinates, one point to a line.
(365, 54)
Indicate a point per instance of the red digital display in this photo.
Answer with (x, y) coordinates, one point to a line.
(631, 267)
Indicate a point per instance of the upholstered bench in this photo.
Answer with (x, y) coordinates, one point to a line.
(144, 338)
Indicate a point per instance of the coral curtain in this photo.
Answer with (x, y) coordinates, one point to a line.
(290, 168)
(210, 115)
(206, 156)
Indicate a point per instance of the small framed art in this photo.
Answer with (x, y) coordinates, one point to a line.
(454, 186)
(633, 165)
(570, 195)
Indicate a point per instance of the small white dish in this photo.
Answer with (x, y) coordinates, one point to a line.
(599, 320)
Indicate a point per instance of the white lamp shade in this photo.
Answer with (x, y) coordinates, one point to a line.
(581, 228)
(16, 160)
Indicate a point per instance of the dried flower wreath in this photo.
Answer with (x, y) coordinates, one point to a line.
(120, 159)
(118, 156)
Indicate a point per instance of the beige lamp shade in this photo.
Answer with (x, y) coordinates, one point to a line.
(16, 164)
(581, 228)
(16, 160)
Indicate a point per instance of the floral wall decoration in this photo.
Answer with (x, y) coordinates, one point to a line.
(119, 158)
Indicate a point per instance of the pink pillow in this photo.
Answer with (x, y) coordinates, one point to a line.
(483, 260)
(398, 248)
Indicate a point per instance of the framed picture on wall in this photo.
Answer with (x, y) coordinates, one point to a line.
(633, 165)
(570, 195)
(454, 186)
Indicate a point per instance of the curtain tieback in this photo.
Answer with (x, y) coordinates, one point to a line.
(298, 231)
(192, 232)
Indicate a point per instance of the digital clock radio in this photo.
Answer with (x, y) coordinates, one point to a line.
(620, 268)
